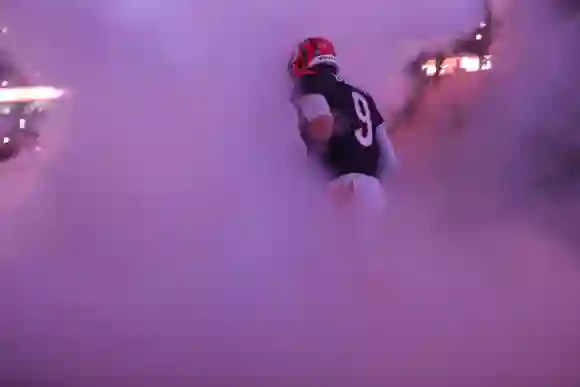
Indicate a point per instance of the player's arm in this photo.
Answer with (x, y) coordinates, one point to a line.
(388, 157)
(318, 120)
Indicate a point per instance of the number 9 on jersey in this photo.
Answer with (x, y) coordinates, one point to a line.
(363, 134)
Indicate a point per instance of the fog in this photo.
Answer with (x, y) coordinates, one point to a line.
(171, 234)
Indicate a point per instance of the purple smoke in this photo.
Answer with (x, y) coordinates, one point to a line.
(171, 236)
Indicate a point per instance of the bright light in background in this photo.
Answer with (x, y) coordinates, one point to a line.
(430, 68)
(467, 63)
(28, 94)
(478, 37)
(6, 140)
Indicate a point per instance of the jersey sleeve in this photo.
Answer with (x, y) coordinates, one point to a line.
(312, 106)
(388, 158)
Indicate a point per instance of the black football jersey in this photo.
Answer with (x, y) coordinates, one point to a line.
(353, 147)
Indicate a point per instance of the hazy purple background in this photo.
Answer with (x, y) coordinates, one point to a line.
(169, 235)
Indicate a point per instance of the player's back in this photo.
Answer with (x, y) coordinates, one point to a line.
(352, 147)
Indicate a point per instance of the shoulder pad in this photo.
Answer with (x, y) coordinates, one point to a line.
(316, 84)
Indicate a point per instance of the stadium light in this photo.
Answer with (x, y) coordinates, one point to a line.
(466, 63)
(29, 94)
